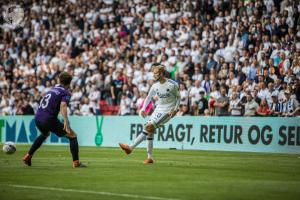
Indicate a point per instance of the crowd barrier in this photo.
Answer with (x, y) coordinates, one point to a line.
(251, 134)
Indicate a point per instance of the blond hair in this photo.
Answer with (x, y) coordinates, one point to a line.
(158, 66)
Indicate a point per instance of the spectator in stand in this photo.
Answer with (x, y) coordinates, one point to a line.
(116, 87)
(184, 97)
(222, 104)
(206, 83)
(203, 103)
(291, 105)
(27, 109)
(85, 108)
(125, 105)
(195, 92)
(263, 109)
(183, 110)
(114, 43)
(276, 107)
(255, 95)
(195, 111)
(235, 108)
(206, 113)
(250, 107)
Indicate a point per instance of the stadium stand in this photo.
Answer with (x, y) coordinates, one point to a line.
(212, 48)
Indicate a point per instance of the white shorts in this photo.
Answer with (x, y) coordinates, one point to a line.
(159, 118)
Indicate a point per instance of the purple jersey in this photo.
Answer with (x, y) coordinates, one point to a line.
(50, 104)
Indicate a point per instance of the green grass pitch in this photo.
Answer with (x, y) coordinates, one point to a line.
(176, 175)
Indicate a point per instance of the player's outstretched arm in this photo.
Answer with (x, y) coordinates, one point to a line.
(147, 101)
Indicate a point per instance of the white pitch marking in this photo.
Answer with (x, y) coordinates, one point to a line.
(92, 192)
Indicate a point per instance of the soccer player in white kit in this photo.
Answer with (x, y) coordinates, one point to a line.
(167, 92)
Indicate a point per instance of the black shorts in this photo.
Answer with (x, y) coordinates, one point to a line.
(53, 125)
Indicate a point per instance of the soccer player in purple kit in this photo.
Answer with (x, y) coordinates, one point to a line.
(56, 100)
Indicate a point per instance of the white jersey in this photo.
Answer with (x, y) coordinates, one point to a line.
(168, 96)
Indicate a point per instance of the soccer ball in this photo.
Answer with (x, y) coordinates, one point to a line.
(9, 147)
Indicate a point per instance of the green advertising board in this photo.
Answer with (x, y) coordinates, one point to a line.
(257, 134)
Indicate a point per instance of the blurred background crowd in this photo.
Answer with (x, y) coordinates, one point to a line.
(238, 57)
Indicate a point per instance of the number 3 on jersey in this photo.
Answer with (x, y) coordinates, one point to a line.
(45, 101)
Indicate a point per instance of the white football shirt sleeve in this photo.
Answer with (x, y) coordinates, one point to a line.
(148, 98)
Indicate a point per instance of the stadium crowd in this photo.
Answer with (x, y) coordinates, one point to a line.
(238, 57)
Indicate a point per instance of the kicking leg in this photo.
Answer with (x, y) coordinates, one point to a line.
(129, 148)
(148, 129)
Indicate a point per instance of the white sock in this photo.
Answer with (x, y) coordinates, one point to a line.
(149, 147)
(140, 138)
